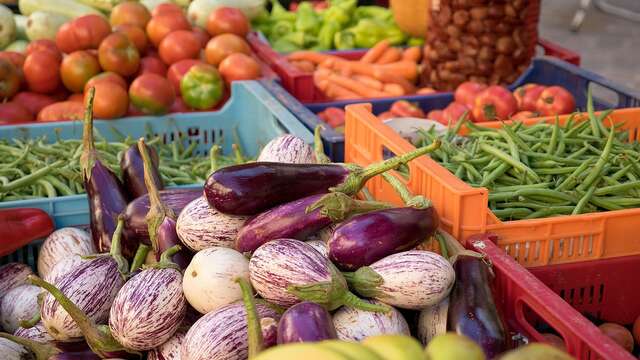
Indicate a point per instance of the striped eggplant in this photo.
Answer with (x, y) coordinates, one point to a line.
(320, 246)
(411, 279)
(60, 269)
(354, 324)
(61, 244)
(150, 307)
(199, 226)
(287, 271)
(18, 304)
(305, 322)
(49, 350)
(12, 275)
(35, 333)
(209, 281)
(432, 321)
(288, 149)
(251, 188)
(170, 349)
(300, 218)
(13, 351)
(133, 176)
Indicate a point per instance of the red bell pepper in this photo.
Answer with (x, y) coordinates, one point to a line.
(19, 227)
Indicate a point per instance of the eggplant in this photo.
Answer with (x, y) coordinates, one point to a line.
(133, 173)
(367, 238)
(320, 246)
(35, 333)
(104, 190)
(411, 279)
(305, 322)
(432, 321)
(209, 281)
(12, 275)
(18, 304)
(170, 349)
(288, 149)
(300, 218)
(13, 351)
(47, 350)
(287, 271)
(472, 310)
(63, 267)
(61, 244)
(353, 324)
(200, 227)
(324, 234)
(251, 188)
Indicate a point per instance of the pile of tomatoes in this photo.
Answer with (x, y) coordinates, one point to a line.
(139, 62)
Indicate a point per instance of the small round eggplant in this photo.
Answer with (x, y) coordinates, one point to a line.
(35, 333)
(14, 351)
(354, 324)
(288, 149)
(200, 227)
(305, 322)
(49, 350)
(19, 304)
(63, 267)
(61, 244)
(170, 349)
(12, 275)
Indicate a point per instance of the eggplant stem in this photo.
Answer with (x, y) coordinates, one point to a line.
(349, 299)
(364, 281)
(254, 329)
(213, 157)
(443, 246)
(116, 247)
(418, 202)
(165, 259)
(455, 248)
(140, 257)
(89, 155)
(42, 351)
(29, 323)
(318, 146)
(338, 206)
(237, 153)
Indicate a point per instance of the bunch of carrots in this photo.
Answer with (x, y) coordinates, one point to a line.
(383, 71)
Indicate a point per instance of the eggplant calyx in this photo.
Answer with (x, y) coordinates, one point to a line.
(139, 258)
(338, 206)
(29, 323)
(116, 248)
(254, 328)
(417, 202)
(42, 350)
(365, 281)
(318, 147)
(89, 155)
(165, 259)
(106, 345)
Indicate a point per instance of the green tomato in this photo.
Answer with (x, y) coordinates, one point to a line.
(202, 87)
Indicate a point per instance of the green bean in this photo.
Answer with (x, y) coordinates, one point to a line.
(551, 211)
(59, 185)
(511, 213)
(584, 200)
(48, 188)
(497, 172)
(556, 171)
(554, 137)
(508, 159)
(527, 204)
(597, 170)
(34, 176)
(621, 188)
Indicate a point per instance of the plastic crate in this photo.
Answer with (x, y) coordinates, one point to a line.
(252, 112)
(545, 70)
(463, 209)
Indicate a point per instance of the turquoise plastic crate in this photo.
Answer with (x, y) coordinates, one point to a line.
(252, 113)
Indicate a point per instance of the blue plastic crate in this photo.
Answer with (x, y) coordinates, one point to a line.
(543, 70)
(254, 114)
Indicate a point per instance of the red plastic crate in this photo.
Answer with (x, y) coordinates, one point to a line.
(526, 303)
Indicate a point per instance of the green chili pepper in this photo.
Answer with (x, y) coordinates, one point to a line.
(307, 20)
(327, 34)
(344, 40)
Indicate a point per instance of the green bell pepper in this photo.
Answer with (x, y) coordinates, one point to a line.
(280, 29)
(346, 5)
(284, 46)
(301, 39)
(202, 87)
(369, 32)
(415, 41)
(326, 35)
(307, 20)
(344, 40)
(373, 12)
(338, 15)
(278, 12)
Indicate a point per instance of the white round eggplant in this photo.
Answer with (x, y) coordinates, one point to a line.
(35, 333)
(170, 350)
(148, 309)
(18, 304)
(12, 275)
(61, 244)
(209, 280)
(288, 149)
(354, 325)
(199, 226)
(432, 321)
(63, 267)
(14, 351)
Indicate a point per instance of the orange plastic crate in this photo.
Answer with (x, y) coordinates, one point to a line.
(463, 209)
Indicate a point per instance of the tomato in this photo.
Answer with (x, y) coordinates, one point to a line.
(227, 20)
(382, 116)
(403, 108)
(44, 44)
(619, 334)
(84, 32)
(555, 341)
(456, 112)
(636, 330)
(201, 87)
(9, 79)
(111, 101)
(179, 45)
(130, 13)
(179, 106)
(136, 35)
(425, 91)
(523, 115)
(176, 72)
(151, 64)
(41, 72)
(108, 77)
(202, 35)
(527, 95)
(118, 54)
(32, 102)
(555, 100)
(239, 67)
(64, 110)
(467, 91)
(76, 97)
(334, 116)
(17, 59)
(12, 112)
(166, 8)
(152, 94)
(437, 115)
(224, 45)
(161, 25)
(77, 68)
(494, 103)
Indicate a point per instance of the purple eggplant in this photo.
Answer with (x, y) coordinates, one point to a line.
(12, 275)
(305, 322)
(472, 311)
(133, 175)
(251, 188)
(136, 228)
(47, 350)
(104, 190)
(300, 218)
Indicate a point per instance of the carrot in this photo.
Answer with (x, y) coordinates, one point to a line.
(390, 55)
(386, 77)
(304, 65)
(413, 53)
(327, 64)
(336, 91)
(369, 81)
(375, 52)
(321, 78)
(394, 89)
(312, 56)
(405, 69)
(355, 86)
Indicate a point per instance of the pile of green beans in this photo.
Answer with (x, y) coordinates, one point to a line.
(545, 169)
(36, 168)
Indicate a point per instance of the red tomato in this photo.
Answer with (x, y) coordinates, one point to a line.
(152, 94)
(555, 341)
(179, 106)
(9, 79)
(527, 96)
(523, 115)
(227, 20)
(12, 112)
(179, 45)
(467, 91)
(111, 101)
(333, 116)
(161, 25)
(130, 13)
(41, 72)
(64, 110)
(108, 77)
(494, 103)
(619, 334)
(239, 66)
(176, 72)
(403, 108)
(17, 59)
(425, 91)
(382, 116)
(118, 54)
(202, 35)
(636, 330)
(76, 97)
(32, 102)
(555, 100)
(437, 115)
(224, 45)
(455, 112)
(166, 8)
(136, 35)
(44, 44)
(85, 32)
(77, 68)
(151, 64)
